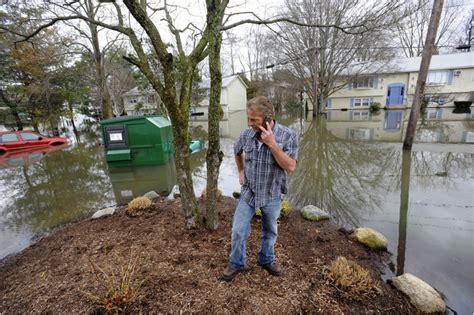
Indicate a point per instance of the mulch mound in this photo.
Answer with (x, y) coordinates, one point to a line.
(179, 268)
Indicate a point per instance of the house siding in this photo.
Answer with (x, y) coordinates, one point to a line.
(458, 86)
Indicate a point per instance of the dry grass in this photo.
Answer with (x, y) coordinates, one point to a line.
(204, 194)
(117, 291)
(137, 206)
(351, 278)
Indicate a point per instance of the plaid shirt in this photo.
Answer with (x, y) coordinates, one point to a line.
(265, 180)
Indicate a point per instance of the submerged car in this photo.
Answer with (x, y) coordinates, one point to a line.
(26, 140)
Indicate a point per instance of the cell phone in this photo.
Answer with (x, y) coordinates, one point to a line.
(266, 120)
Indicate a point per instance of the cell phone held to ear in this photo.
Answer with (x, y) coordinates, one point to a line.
(266, 120)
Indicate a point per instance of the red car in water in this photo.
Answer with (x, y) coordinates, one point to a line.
(26, 157)
(26, 140)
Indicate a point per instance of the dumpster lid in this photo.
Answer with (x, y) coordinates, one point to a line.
(132, 118)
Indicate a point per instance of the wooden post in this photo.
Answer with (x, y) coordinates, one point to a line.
(425, 63)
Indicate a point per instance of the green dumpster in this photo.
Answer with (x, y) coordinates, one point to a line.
(137, 140)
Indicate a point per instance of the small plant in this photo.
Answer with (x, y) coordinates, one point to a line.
(375, 107)
(118, 292)
(285, 209)
(138, 205)
(351, 277)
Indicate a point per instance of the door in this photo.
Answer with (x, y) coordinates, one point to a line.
(393, 120)
(33, 140)
(395, 94)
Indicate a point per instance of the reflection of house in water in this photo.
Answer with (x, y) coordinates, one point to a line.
(435, 125)
(131, 182)
(228, 128)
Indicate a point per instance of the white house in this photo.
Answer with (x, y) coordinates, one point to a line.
(233, 97)
(141, 101)
(450, 78)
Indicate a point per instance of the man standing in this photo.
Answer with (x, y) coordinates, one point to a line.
(264, 154)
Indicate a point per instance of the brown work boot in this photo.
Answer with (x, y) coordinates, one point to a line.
(229, 273)
(272, 269)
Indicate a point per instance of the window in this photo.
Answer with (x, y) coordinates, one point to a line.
(8, 137)
(366, 82)
(133, 100)
(362, 102)
(432, 114)
(29, 136)
(359, 133)
(437, 77)
(428, 135)
(438, 99)
(469, 136)
(360, 115)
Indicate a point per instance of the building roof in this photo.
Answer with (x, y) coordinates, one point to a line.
(403, 65)
(226, 81)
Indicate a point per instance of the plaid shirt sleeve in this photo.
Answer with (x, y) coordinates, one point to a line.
(291, 147)
(238, 145)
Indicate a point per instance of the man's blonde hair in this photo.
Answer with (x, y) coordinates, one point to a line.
(262, 105)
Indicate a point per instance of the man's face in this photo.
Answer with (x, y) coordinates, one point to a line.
(254, 119)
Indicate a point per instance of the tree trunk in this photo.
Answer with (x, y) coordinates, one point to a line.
(214, 156)
(404, 201)
(423, 73)
(181, 143)
(13, 109)
(105, 101)
(74, 129)
(179, 115)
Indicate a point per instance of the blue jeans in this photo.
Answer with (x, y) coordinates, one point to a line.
(241, 230)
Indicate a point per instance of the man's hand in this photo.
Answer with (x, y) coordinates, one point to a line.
(267, 135)
(241, 178)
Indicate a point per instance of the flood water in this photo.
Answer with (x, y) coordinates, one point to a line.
(350, 164)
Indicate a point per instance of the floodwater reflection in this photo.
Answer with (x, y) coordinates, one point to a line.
(59, 188)
(129, 182)
(337, 174)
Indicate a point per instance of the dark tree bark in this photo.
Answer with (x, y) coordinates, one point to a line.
(423, 73)
(214, 155)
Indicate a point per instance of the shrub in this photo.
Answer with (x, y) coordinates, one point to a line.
(375, 107)
(285, 209)
(137, 205)
(351, 278)
(117, 291)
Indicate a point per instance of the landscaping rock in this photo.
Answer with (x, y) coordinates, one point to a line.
(313, 213)
(151, 195)
(421, 294)
(103, 213)
(370, 238)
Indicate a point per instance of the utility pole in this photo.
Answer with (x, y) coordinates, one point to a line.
(425, 63)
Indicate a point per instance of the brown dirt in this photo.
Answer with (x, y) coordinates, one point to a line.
(180, 267)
